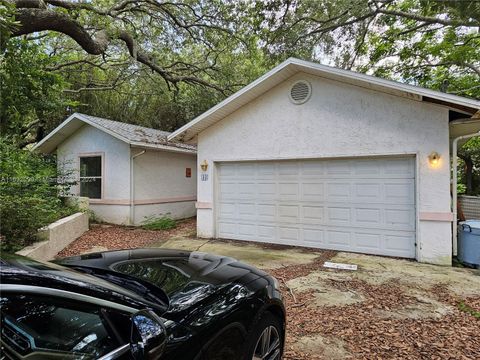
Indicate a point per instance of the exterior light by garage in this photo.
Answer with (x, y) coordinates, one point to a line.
(434, 158)
(300, 92)
(204, 165)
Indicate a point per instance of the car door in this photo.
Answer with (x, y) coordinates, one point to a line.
(41, 326)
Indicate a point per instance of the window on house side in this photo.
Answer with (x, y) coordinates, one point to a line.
(91, 177)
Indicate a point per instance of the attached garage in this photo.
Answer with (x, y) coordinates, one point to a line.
(314, 156)
(362, 205)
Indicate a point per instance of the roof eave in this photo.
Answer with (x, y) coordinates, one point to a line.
(162, 148)
(189, 130)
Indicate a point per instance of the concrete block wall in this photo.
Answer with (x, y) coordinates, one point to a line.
(56, 236)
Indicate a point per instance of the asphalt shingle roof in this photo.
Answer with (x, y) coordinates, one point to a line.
(136, 133)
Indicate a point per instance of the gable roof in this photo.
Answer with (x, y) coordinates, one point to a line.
(133, 135)
(292, 66)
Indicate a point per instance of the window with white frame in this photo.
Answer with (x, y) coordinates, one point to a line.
(91, 177)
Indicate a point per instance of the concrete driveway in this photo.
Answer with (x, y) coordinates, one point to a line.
(387, 309)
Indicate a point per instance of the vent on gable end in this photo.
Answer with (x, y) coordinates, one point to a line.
(300, 92)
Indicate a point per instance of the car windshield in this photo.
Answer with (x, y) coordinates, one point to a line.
(140, 287)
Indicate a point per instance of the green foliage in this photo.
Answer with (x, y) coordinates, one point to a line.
(159, 223)
(32, 96)
(438, 56)
(468, 309)
(7, 21)
(29, 189)
(469, 166)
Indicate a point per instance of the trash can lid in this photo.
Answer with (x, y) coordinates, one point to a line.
(474, 224)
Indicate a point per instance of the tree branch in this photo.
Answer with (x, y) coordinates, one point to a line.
(427, 19)
(34, 19)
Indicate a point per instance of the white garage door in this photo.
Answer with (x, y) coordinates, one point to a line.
(360, 205)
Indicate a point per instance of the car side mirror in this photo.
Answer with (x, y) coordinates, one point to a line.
(148, 336)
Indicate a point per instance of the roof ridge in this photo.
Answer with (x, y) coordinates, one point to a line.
(123, 123)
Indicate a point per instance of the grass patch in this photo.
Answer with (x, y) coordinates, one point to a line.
(465, 308)
(159, 223)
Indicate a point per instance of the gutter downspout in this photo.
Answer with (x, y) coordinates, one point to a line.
(454, 186)
(132, 187)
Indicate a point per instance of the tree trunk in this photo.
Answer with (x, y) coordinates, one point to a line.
(468, 174)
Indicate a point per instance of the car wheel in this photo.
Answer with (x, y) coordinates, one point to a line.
(266, 341)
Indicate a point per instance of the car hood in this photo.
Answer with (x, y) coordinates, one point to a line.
(188, 278)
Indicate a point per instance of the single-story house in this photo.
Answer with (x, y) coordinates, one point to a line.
(128, 172)
(316, 156)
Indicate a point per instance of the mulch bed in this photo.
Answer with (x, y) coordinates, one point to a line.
(114, 237)
(366, 334)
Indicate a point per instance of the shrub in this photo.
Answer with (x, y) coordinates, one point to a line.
(29, 195)
(159, 223)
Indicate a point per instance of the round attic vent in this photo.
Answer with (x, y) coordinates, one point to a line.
(300, 92)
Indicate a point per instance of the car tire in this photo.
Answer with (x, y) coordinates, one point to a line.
(266, 339)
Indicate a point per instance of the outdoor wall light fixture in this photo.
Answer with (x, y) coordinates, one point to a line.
(434, 158)
(204, 165)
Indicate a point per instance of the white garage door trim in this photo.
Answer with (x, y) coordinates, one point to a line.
(352, 204)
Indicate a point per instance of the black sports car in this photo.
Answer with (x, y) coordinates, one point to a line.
(139, 304)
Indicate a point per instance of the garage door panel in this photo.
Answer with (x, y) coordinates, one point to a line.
(338, 167)
(312, 168)
(365, 205)
(399, 166)
(266, 170)
(288, 190)
(313, 237)
(266, 233)
(313, 214)
(368, 241)
(338, 215)
(288, 214)
(338, 238)
(227, 210)
(248, 230)
(266, 212)
(368, 216)
(339, 192)
(266, 191)
(368, 192)
(227, 229)
(367, 168)
(399, 244)
(288, 168)
(288, 235)
(246, 170)
(399, 192)
(312, 191)
(246, 211)
(400, 218)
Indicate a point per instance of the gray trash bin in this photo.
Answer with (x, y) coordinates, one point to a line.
(469, 242)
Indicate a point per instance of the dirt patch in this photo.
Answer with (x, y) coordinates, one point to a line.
(319, 347)
(324, 294)
(422, 308)
(249, 253)
(393, 321)
(379, 270)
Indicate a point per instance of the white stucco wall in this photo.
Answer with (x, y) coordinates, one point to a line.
(116, 166)
(339, 120)
(161, 185)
